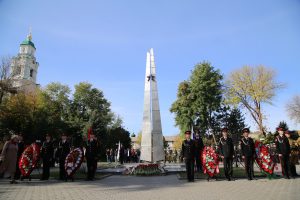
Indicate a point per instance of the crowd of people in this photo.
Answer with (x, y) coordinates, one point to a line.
(50, 153)
(123, 155)
(191, 149)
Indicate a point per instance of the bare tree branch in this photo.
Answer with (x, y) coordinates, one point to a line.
(293, 109)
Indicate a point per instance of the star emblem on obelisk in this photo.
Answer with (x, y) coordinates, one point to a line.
(152, 77)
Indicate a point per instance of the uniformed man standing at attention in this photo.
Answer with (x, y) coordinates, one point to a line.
(248, 152)
(91, 155)
(47, 156)
(188, 155)
(226, 151)
(283, 150)
(63, 150)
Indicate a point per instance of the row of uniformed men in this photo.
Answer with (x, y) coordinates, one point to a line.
(191, 151)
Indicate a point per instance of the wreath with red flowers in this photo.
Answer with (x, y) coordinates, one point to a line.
(210, 161)
(264, 159)
(73, 161)
(146, 170)
(29, 158)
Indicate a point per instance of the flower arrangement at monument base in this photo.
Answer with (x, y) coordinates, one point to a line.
(147, 170)
(29, 158)
(264, 160)
(210, 161)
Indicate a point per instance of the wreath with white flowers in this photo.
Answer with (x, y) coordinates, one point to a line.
(73, 161)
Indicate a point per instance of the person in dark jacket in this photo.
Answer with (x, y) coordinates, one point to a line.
(188, 155)
(91, 155)
(21, 148)
(283, 150)
(121, 154)
(248, 152)
(198, 148)
(293, 156)
(62, 152)
(47, 156)
(226, 151)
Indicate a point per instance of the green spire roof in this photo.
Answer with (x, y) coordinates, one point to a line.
(28, 41)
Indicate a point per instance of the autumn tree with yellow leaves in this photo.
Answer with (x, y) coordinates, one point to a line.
(252, 87)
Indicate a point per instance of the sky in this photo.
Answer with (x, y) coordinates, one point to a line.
(105, 43)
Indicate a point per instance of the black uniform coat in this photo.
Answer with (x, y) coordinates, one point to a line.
(282, 145)
(63, 150)
(188, 149)
(92, 150)
(226, 148)
(47, 150)
(247, 146)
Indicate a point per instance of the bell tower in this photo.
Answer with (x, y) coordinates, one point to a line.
(24, 67)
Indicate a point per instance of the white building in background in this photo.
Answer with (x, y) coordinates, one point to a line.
(24, 67)
(170, 141)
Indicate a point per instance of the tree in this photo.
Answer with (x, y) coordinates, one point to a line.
(229, 117)
(118, 134)
(181, 107)
(90, 109)
(251, 87)
(52, 110)
(201, 95)
(116, 121)
(236, 123)
(293, 109)
(139, 138)
(55, 97)
(5, 81)
(178, 142)
(23, 113)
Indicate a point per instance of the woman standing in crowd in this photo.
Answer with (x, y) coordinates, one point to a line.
(8, 158)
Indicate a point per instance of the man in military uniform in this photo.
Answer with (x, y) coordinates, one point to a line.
(91, 154)
(121, 154)
(283, 150)
(293, 156)
(226, 151)
(198, 148)
(248, 152)
(47, 156)
(188, 155)
(62, 152)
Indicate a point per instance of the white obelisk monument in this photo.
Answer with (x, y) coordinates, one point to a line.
(152, 147)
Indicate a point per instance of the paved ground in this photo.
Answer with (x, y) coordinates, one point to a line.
(162, 187)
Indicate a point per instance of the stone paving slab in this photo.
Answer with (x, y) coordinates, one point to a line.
(159, 187)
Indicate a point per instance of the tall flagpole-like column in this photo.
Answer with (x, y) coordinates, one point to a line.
(152, 149)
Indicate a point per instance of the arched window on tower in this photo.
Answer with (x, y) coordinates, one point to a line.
(31, 73)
